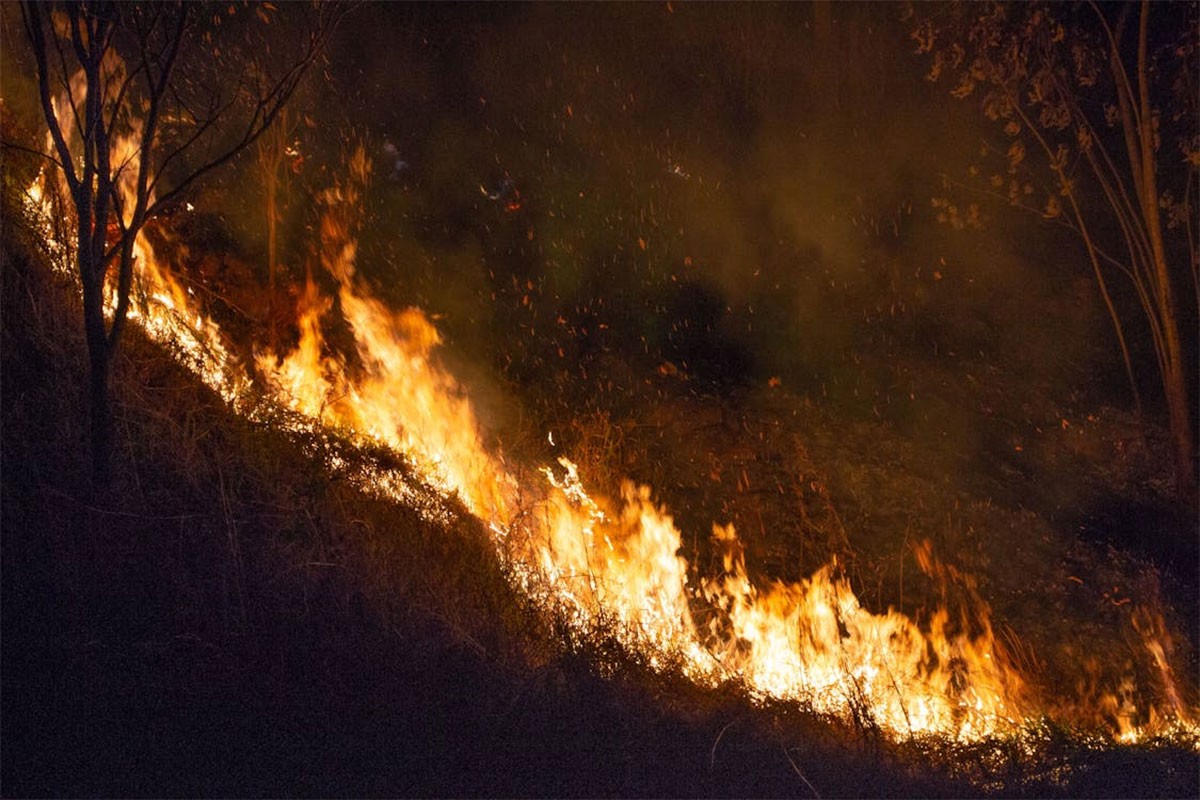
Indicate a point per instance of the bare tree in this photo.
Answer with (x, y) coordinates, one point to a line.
(1099, 106)
(142, 100)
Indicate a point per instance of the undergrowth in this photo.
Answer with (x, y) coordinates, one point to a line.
(235, 615)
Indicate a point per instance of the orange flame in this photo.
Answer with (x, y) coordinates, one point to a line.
(599, 559)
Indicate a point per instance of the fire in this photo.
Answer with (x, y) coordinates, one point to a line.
(608, 561)
(618, 560)
(167, 312)
(814, 641)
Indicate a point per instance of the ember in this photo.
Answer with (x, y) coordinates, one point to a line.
(614, 559)
(617, 559)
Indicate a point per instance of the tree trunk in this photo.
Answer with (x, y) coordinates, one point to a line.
(101, 418)
(100, 414)
(1181, 433)
(1174, 382)
(1174, 372)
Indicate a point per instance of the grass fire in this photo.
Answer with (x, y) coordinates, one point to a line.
(637, 400)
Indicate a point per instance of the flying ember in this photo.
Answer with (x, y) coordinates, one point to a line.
(618, 559)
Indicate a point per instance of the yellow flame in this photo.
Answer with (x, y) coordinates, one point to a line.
(810, 641)
(612, 560)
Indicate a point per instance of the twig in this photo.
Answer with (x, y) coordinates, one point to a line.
(7, 144)
(455, 629)
(796, 767)
(712, 754)
(900, 695)
(115, 512)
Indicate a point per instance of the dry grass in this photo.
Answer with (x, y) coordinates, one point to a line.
(237, 616)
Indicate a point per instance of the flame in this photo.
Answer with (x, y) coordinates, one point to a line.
(613, 562)
(165, 309)
(814, 641)
(618, 560)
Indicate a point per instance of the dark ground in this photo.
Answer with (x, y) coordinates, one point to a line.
(232, 619)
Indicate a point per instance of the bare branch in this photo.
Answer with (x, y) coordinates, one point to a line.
(31, 14)
(266, 109)
(11, 145)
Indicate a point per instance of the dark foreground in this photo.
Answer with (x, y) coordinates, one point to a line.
(231, 618)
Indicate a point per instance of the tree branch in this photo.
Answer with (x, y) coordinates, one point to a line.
(145, 167)
(31, 14)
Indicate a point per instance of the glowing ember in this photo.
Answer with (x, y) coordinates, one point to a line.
(616, 561)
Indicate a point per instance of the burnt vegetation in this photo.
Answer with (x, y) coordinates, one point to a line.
(247, 621)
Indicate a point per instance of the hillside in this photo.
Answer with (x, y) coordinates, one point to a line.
(232, 618)
(236, 616)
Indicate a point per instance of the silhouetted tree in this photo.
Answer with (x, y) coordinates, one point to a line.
(1099, 106)
(142, 100)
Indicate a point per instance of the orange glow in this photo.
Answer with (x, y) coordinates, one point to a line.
(617, 560)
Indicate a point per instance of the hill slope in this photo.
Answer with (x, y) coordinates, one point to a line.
(234, 617)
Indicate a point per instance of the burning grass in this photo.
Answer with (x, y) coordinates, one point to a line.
(562, 583)
(239, 616)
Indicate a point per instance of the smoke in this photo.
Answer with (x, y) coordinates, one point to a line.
(737, 197)
(585, 194)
